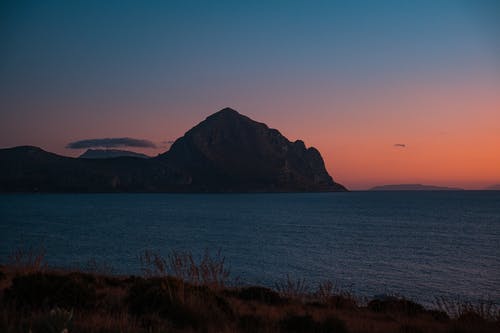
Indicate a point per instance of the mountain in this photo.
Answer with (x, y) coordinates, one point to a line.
(231, 152)
(227, 152)
(110, 153)
(413, 187)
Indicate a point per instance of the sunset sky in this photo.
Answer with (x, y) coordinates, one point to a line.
(388, 91)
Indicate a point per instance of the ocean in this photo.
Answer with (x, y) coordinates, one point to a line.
(420, 245)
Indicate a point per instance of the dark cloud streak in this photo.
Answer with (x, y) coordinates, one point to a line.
(110, 143)
(400, 145)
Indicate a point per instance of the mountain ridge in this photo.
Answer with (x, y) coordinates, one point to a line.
(227, 152)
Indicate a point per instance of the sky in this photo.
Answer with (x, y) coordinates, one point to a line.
(388, 91)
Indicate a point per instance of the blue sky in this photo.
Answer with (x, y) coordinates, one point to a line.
(72, 70)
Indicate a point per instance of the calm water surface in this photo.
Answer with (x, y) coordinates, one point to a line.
(417, 244)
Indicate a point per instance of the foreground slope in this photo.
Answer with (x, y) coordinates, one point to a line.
(40, 299)
(227, 152)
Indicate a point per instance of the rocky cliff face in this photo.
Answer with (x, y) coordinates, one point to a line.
(231, 152)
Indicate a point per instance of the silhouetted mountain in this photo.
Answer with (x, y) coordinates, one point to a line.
(31, 169)
(110, 153)
(226, 152)
(413, 187)
(494, 187)
(230, 152)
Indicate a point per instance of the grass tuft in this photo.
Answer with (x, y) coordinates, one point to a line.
(49, 290)
(457, 308)
(209, 270)
(292, 288)
(28, 260)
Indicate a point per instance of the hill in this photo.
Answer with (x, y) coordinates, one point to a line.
(31, 169)
(110, 153)
(413, 187)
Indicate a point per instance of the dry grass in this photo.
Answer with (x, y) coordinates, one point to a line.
(95, 266)
(209, 270)
(28, 260)
(181, 294)
(292, 288)
(459, 309)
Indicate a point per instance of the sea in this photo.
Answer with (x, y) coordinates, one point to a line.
(420, 245)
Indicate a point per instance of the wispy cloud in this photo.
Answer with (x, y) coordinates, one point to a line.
(110, 143)
(400, 145)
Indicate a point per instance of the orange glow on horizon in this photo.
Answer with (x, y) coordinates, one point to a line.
(451, 132)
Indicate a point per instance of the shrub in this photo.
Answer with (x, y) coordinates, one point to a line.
(438, 315)
(333, 324)
(182, 304)
(407, 328)
(149, 296)
(396, 305)
(306, 324)
(252, 323)
(49, 290)
(260, 294)
(56, 321)
(298, 324)
(341, 302)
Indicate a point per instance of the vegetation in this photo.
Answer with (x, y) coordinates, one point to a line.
(181, 294)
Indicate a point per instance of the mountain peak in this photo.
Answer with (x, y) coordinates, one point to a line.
(227, 110)
(225, 114)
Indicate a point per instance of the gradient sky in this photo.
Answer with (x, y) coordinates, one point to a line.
(352, 78)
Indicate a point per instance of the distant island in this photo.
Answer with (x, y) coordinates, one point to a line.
(110, 153)
(227, 152)
(413, 187)
(494, 187)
